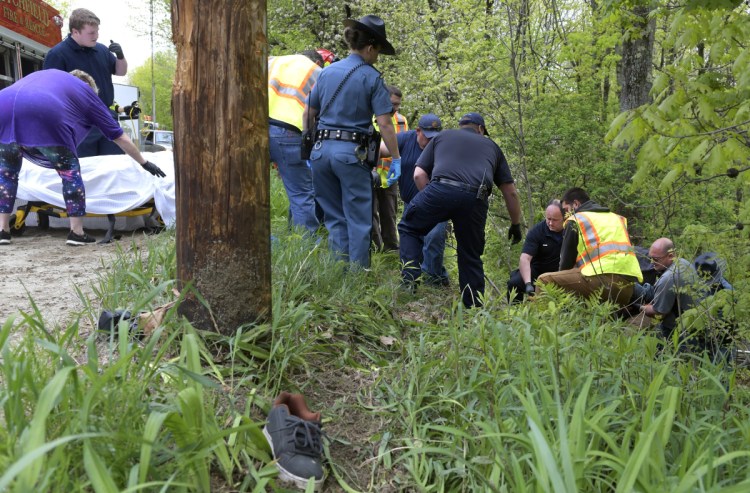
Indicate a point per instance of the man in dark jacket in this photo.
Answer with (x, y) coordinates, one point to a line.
(455, 174)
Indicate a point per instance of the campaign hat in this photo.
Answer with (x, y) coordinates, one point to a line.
(430, 125)
(474, 118)
(373, 25)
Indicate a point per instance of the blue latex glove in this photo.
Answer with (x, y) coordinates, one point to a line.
(394, 172)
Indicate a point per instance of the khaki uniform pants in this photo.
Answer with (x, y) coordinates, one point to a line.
(609, 287)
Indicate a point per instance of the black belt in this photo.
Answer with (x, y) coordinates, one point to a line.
(457, 184)
(357, 137)
(288, 126)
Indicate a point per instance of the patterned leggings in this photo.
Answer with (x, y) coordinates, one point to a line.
(58, 158)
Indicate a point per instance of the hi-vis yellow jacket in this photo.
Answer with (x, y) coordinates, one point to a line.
(290, 80)
(604, 245)
(399, 125)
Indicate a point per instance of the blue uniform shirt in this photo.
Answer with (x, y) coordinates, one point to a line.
(410, 151)
(362, 95)
(98, 62)
(464, 155)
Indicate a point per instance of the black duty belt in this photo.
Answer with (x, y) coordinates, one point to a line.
(345, 135)
(457, 184)
(481, 192)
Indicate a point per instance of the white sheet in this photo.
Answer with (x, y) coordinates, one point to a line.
(114, 184)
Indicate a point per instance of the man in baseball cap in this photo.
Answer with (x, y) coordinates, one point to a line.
(430, 125)
(455, 174)
(410, 146)
(473, 119)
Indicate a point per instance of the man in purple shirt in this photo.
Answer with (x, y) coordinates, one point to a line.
(43, 117)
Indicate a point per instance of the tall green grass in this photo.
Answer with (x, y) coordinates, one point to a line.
(417, 393)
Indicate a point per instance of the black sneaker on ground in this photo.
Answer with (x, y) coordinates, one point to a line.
(295, 436)
(4, 237)
(80, 240)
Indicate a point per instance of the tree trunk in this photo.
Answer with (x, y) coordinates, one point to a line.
(221, 157)
(634, 68)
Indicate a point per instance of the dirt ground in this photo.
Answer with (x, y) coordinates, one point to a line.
(39, 265)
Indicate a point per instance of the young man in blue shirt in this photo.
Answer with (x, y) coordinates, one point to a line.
(81, 51)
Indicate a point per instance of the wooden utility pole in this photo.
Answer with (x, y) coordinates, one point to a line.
(220, 109)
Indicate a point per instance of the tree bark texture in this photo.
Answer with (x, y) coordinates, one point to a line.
(220, 108)
(635, 66)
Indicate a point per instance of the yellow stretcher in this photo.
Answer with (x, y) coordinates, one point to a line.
(44, 211)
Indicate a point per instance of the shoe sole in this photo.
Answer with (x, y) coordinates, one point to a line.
(287, 477)
(4, 242)
(79, 243)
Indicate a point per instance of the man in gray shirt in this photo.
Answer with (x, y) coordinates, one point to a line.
(676, 290)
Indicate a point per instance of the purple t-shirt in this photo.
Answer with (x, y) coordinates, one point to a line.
(52, 108)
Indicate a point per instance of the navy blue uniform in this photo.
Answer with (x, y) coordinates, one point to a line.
(343, 186)
(467, 160)
(543, 245)
(99, 63)
(434, 242)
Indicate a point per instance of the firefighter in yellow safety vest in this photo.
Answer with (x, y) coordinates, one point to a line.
(290, 80)
(596, 256)
(385, 198)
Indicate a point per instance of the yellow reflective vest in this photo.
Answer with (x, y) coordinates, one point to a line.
(290, 80)
(604, 245)
(399, 125)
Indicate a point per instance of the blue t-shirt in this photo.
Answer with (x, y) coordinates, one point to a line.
(362, 95)
(410, 151)
(98, 62)
(52, 108)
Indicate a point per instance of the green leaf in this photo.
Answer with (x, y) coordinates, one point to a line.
(97, 471)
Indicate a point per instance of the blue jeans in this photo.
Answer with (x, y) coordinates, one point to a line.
(437, 203)
(296, 176)
(433, 252)
(343, 188)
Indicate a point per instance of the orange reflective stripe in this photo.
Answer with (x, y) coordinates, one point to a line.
(625, 227)
(309, 81)
(287, 91)
(297, 92)
(590, 236)
(604, 250)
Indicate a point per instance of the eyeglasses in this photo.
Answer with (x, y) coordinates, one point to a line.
(654, 259)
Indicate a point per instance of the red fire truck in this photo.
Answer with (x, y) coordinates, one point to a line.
(28, 29)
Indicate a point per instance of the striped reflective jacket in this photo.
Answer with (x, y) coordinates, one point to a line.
(290, 80)
(399, 125)
(604, 245)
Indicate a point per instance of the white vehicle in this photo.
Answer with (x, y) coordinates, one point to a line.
(125, 96)
(164, 138)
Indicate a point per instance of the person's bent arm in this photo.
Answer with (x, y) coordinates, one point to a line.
(649, 311)
(510, 195)
(384, 152)
(421, 179)
(129, 148)
(389, 134)
(524, 267)
(121, 67)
